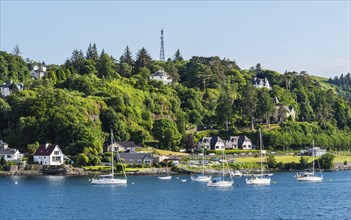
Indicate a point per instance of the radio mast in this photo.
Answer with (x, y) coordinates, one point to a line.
(162, 50)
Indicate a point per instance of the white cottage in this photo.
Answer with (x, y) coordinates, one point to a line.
(163, 76)
(48, 154)
(9, 154)
(38, 72)
(211, 143)
(238, 142)
(261, 83)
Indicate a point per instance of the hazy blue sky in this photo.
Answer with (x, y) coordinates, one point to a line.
(281, 35)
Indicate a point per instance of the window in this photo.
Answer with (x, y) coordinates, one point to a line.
(131, 161)
(8, 156)
(56, 152)
(56, 159)
(139, 161)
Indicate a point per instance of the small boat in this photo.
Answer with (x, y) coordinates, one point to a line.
(310, 176)
(183, 180)
(201, 177)
(164, 177)
(168, 177)
(221, 182)
(110, 179)
(237, 173)
(259, 179)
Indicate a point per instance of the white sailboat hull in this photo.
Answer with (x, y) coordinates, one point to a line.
(258, 181)
(308, 177)
(221, 183)
(164, 177)
(108, 181)
(201, 178)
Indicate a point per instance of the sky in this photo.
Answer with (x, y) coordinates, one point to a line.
(312, 36)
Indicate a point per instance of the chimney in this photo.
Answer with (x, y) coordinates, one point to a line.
(46, 145)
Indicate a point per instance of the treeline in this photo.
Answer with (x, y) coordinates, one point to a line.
(343, 83)
(77, 103)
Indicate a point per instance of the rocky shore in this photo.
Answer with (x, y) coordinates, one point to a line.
(35, 169)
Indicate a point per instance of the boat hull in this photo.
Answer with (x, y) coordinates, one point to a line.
(310, 179)
(164, 177)
(108, 181)
(220, 184)
(201, 178)
(259, 181)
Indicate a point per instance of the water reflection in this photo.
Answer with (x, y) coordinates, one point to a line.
(56, 180)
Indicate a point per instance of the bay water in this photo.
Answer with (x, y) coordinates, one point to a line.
(146, 197)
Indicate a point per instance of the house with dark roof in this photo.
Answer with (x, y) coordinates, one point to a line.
(238, 142)
(163, 76)
(282, 112)
(211, 143)
(48, 154)
(9, 154)
(261, 83)
(141, 158)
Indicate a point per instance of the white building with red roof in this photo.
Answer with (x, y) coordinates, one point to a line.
(48, 154)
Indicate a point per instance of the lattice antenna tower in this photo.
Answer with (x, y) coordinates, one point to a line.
(162, 50)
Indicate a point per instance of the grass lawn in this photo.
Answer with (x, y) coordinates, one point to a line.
(96, 168)
(288, 159)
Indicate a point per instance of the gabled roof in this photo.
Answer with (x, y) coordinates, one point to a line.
(135, 156)
(239, 139)
(211, 140)
(8, 151)
(45, 151)
(2, 142)
(126, 143)
(160, 73)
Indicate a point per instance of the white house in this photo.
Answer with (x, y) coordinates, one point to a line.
(37, 72)
(163, 76)
(5, 88)
(238, 142)
(211, 143)
(261, 83)
(48, 154)
(316, 151)
(9, 154)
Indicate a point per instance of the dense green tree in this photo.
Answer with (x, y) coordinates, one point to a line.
(92, 53)
(82, 160)
(265, 105)
(166, 132)
(303, 163)
(177, 56)
(249, 103)
(105, 66)
(143, 59)
(271, 161)
(327, 161)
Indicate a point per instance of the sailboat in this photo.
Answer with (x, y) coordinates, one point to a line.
(307, 176)
(201, 177)
(221, 182)
(110, 179)
(168, 177)
(260, 179)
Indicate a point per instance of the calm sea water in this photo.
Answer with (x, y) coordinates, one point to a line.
(59, 197)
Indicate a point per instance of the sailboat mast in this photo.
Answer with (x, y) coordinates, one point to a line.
(261, 152)
(313, 157)
(203, 167)
(112, 151)
(223, 165)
